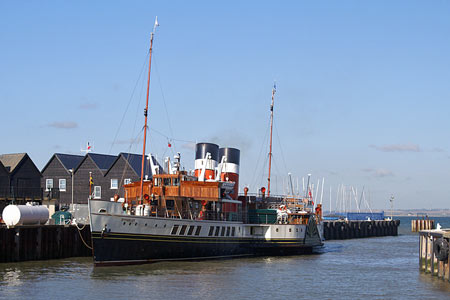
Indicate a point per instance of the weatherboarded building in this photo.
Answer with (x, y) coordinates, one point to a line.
(57, 173)
(125, 169)
(94, 166)
(23, 181)
(108, 172)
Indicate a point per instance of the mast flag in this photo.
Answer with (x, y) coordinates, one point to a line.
(156, 24)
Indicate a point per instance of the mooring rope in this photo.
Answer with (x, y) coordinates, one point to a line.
(82, 239)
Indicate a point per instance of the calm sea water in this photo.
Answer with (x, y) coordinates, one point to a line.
(372, 268)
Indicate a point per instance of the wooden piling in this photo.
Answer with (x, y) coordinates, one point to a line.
(429, 262)
(23, 243)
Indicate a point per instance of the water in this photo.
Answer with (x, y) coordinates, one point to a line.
(372, 268)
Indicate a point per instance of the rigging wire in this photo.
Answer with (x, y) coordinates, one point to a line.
(253, 181)
(164, 99)
(281, 150)
(128, 105)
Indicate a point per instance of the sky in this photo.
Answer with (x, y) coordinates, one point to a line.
(362, 96)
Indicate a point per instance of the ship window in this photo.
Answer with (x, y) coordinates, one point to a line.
(166, 181)
(217, 231)
(183, 229)
(290, 229)
(156, 182)
(211, 230)
(175, 181)
(197, 231)
(233, 231)
(228, 231)
(296, 229)
(276, 230)
(191, 230)
(223, 232)
(127, 181)
(174, 229)
(170, 204)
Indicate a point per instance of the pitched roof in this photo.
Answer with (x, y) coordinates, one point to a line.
(103, 161)
(69, 161)
(11, 161)
(135, 162)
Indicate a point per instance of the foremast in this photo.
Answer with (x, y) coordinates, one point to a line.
(146, 110)
(274, 89)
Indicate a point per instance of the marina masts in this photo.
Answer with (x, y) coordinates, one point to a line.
(146, 107)
(270, 147)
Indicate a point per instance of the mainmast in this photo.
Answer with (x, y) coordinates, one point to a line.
(146, 108)
(274, 89)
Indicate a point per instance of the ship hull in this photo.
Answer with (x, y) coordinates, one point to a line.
(123, 239)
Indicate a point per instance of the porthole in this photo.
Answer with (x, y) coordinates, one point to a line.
(290, 229)
(124, 223)
(156, 225)
(145, 224)
(296, 229)
(276, 230)
(135, 224)
(164, 225)
(129, 224)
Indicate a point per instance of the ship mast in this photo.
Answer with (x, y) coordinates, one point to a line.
(146, 108)
(274, 89)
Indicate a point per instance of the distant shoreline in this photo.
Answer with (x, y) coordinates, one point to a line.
(417, 212)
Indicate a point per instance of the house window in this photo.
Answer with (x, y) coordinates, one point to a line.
(48, 184)
(127, 181)
(97, 192)
(114, 184)
(62, 185)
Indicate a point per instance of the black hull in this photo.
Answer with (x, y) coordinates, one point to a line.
(121, 249)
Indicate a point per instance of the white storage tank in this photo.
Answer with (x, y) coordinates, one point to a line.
(25, 215)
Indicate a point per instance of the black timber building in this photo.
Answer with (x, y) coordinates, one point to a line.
(57, 173)
(23, 181)
(94, 165)
(125, 169)
(109, 174)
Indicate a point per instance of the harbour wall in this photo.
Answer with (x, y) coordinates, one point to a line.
(341, 230)
(41, 242)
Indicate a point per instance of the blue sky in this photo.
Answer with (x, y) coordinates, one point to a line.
(362, 88)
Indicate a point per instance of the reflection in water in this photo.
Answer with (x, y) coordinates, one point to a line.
(372, 268)
(11, 277)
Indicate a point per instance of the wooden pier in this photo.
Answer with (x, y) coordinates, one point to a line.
(40, 242)
(422, 224)
(340, 230)
(434, 255)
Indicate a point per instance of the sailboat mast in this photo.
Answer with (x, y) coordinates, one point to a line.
(146, 109)
(270, 147)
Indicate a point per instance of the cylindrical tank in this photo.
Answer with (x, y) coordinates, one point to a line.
(25, 215)
(230, 168)
(201, 149)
